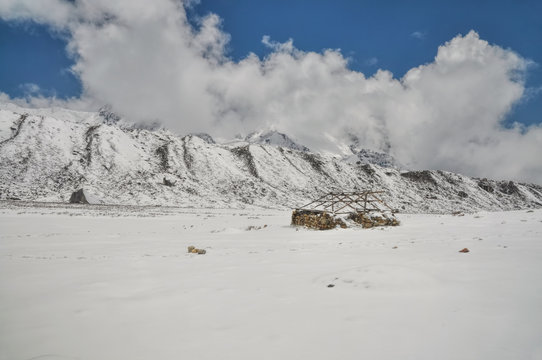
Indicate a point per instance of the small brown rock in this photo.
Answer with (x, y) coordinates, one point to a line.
(464, 250)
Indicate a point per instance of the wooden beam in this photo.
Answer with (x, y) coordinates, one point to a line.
(357, 201)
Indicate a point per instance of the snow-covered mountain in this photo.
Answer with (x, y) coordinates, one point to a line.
(367, 156)
(274, 138)
(47, 154)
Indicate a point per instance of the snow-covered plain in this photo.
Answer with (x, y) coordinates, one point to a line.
(100, 282)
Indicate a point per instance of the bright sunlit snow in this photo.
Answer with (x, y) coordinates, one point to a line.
(102, 282)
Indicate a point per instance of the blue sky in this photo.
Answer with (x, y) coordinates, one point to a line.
(392, 35)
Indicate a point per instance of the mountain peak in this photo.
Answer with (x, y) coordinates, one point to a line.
(205, 137)
(107, 114)
(368, 156)
(274, 138)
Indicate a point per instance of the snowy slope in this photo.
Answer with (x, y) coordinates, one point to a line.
(274, 138)
(367, 156)
(46, 154)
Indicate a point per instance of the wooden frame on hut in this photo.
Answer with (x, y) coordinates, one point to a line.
(348, 202)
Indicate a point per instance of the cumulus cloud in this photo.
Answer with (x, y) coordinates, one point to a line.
(148, 62)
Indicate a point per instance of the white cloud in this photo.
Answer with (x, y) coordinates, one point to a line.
(55, 13)
(145, 60)
(287, 46)
(371, 61)
(418, 35)
(40, 101)
(30, 88)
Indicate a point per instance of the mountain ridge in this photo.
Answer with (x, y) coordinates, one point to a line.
(47, 154)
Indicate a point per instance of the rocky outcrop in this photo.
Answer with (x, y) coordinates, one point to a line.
(243, 153)
(78, 197)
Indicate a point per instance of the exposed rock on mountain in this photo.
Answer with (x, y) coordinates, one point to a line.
(82, 196)
(78, 197)
(205, 137)
(108, 115)
(367, 156)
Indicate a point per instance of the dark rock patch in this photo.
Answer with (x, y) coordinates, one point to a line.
(509, 188)
(163, 156)
(486, 185)
(78, 197)
(243, 153)
(314, 161)
(423, 176)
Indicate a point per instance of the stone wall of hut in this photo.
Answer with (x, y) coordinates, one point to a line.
(316, 220)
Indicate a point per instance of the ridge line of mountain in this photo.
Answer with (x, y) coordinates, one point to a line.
(47, 156)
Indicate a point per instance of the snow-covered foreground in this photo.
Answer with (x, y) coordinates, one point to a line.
(114, 284)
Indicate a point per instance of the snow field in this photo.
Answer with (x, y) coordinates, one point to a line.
(119, 286)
